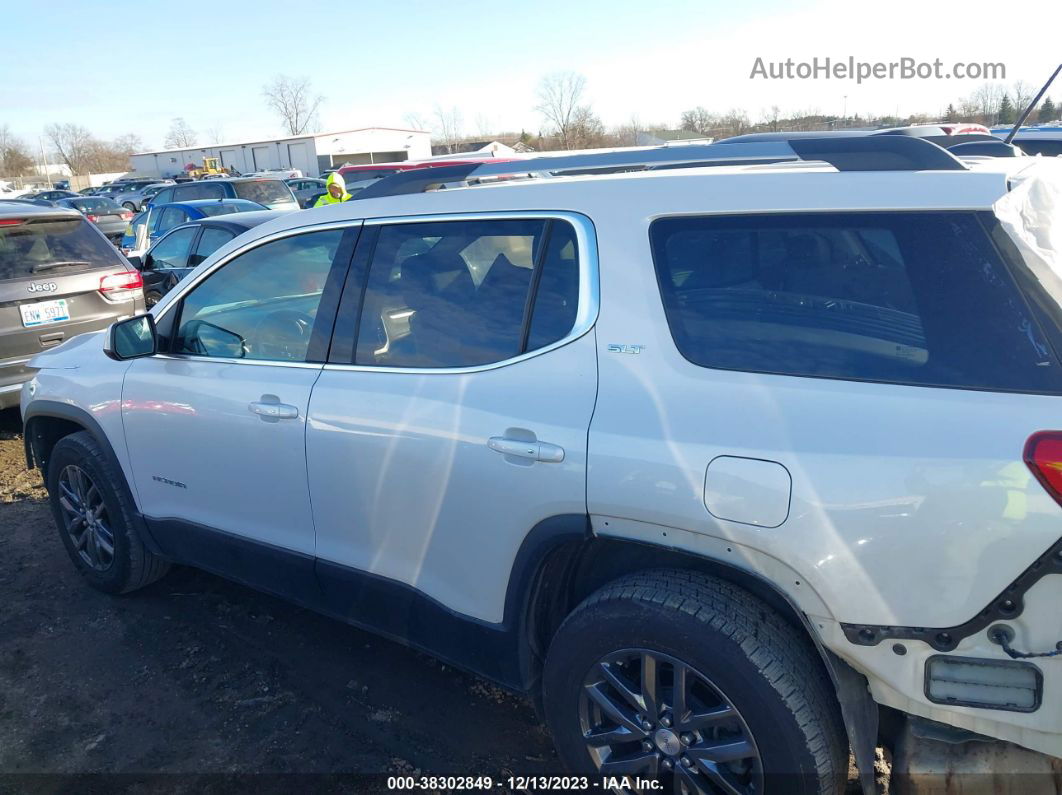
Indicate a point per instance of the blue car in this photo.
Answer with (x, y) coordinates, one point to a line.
(150, 225)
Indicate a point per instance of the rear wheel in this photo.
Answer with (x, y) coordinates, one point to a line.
(96, 517)
(680, 677)
(129, 206)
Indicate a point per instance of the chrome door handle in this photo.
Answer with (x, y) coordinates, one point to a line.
(536, 451)
(273, 411)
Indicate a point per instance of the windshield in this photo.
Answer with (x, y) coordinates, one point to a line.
(264, 191)
(31, 247)
(98, 206)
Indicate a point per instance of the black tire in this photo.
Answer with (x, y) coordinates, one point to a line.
(151, 298)
(766, 670)
(131, 566)
(130, 206)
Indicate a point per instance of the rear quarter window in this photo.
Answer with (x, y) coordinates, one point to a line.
(54, 247)
(909, 298)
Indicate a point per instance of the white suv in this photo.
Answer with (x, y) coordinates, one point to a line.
(719, 463)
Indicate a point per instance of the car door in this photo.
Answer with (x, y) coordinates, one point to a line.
(215, 422)
(452, 417)
(166, 262)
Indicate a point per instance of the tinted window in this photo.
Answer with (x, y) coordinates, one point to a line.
(199, 190)
(172, 250)
(264, 191)
(224, 208)
(164, 196)
(171, 217)
(918, 298)
(455, 294)
(262, 304)
(35, 248)
(97, 206)
(210, 241)
(1040, 147)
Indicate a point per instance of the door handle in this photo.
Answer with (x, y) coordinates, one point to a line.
(273, 411)
(536, 451)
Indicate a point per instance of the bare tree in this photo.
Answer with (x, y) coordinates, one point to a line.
(293, 100)
(1021, 94)
(180, 136)
(15, 157)
(699, 120)
(586, 129)
(448, 127)
(559, 98)
(484, 126)
(74, 145)
(415, 121)
(988, 98)
(214, 134)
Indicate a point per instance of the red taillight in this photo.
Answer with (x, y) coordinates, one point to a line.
(1043, 455)
(126, 215)
(93, 218)
(12, 221)
(126, 280)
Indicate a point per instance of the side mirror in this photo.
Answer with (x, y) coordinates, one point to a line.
(137, 262)
(132, 338)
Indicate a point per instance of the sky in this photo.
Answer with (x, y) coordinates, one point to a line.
(120, 68)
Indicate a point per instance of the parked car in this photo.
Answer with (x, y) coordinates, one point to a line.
(110, 218)
(271, 193)
(306, 190)
(1046, 141)
(49, 195)
(134, 196)
(59, 277)
(777, 458)
(176, 253)
(160, 218)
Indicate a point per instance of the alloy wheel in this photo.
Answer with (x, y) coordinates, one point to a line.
(649, 715)
(85, 518)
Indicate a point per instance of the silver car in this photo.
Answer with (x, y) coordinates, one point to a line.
(306, 189)
(134, 196)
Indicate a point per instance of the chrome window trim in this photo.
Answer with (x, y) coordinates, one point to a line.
(173, 297)
(585, 315)
(589, 284)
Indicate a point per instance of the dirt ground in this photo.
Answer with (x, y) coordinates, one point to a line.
(195, 683)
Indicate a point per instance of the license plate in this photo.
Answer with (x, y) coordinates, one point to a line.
(45, 312)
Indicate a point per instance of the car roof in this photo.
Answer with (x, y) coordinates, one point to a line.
(9, 209)
(244, 179)
(644, 195)
(197, 203)
(236, 222)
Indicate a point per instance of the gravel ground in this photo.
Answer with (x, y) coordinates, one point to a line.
(195, 683)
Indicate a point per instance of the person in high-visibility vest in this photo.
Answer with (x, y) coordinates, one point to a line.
(335, 190)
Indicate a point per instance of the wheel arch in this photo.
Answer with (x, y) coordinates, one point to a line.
(571, 566)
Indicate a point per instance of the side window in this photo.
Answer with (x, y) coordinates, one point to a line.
(172, 250)
(171, 217)
(463, 293)
(261, 305)
(910, 298)
(164, 196)
(210, 241)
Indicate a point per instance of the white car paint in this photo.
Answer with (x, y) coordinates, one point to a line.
(889, 518)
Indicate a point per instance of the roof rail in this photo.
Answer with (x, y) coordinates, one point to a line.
(845, 153)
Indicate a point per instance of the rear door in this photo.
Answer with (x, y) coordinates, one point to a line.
(462, 423)
(58, 278)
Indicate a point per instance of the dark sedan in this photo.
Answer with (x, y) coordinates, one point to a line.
(111, 218)
(176, 253)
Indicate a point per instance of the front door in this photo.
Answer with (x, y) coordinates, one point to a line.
(462, 422)
(215, 424)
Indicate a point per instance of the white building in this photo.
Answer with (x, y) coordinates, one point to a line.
(311, 153)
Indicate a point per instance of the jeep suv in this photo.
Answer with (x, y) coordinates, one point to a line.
(59, 277)
(719, 463)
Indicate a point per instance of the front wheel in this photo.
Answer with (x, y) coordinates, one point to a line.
(97, 519)
(686, 679)
(130, 206)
